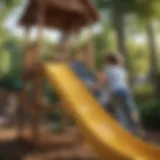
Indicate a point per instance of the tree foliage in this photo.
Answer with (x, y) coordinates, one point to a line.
(6, 7)
(144, 8)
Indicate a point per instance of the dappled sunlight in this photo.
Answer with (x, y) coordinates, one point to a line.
(79, 79)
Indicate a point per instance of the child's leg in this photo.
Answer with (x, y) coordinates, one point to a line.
(123, 110)
(130, 106)
(109, 107)
(123, 119)
(131, 110)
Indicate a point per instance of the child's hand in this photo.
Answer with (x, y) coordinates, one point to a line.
(135, 117)
(97, 87)
(101, 80)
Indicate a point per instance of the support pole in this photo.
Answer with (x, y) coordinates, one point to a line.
(90, 61)
(64, 49)
(64, 45)
(37, 81)
(37, 110)
(23, 93)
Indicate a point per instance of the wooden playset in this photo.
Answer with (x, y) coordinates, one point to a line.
(68, 16)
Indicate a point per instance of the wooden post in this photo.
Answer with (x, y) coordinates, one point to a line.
(37, 81)
(90, 52)
(37, 110)
(23, 94)
(80, 54)
(64, 42)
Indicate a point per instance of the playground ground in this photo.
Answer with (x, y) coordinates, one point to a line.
(64, 146)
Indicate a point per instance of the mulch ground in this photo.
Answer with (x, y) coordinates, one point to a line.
(52, 147)
(154, 137)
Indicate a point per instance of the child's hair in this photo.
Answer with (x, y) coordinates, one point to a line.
(114, 59)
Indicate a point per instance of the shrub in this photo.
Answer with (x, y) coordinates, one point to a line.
(143, 93)
(11, 83)
(55, 116)
(50, 93)
(150, 115)
(53, 96)
(148, 106)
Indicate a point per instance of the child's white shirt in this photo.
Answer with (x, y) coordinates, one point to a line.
(116, 77)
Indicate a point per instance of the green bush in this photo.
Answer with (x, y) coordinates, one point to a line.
(50, 92)
(150, 115)
(143, 93)
(55, 116)
(148, 106)
(11, 83)
(53, 96)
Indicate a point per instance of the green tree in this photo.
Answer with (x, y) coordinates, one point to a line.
(12, 47)
(139, 58)
(153, 54)
(6, 7)
(149, 18)
(104, 42)
(119, 9)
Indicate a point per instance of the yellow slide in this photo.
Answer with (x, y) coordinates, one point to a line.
(105, 135)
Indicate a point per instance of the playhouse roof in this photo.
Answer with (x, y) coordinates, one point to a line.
(64, 15)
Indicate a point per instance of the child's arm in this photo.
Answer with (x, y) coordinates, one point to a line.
(101, 80)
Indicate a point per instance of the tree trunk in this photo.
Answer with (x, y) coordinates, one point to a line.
(119, 23)
(120, 32)
(153, 57)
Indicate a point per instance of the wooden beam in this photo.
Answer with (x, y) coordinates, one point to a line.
(90, 57)
(37, 81)
(23, 93)
(64, 46)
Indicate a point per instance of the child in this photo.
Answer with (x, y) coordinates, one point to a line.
(116, 78)
(102, 87)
